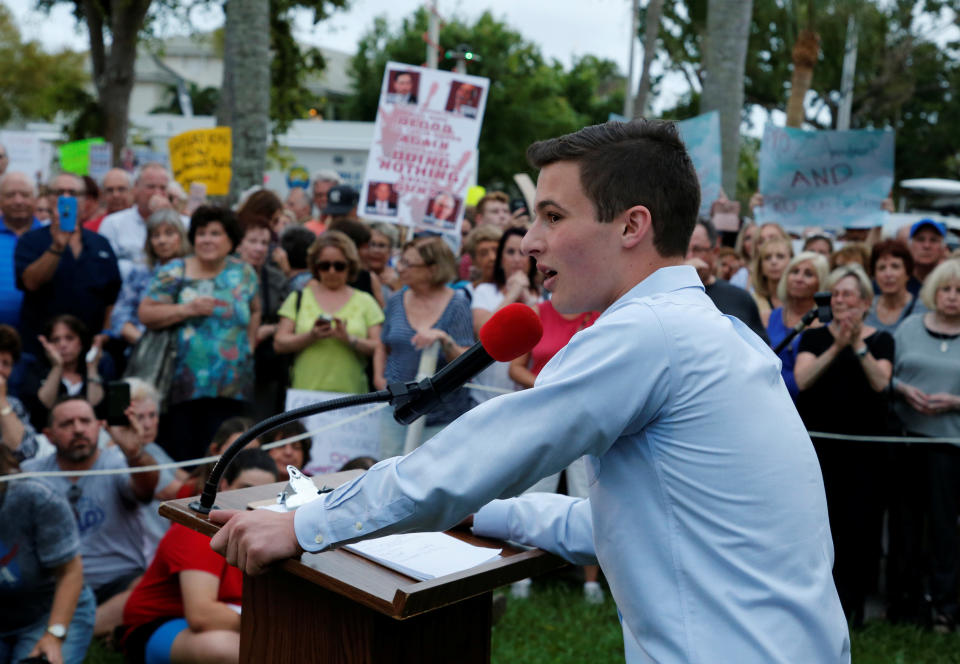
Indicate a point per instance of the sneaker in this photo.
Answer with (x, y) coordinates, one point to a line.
(521, 589)
(943, 623)
(592, 592)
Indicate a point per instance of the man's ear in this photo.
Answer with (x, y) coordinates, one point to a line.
(637, 226)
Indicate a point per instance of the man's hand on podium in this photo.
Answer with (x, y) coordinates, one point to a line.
(251, 540)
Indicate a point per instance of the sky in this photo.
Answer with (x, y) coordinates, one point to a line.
(567, 29)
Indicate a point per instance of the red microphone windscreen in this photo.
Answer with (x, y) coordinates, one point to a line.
(511, 332)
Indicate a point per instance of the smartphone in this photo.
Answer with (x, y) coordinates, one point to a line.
(117, 400)
(323, 318)
(67, 209)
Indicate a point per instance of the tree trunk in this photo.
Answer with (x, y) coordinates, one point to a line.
(113, 70)
(805, 53)
(650, 32)
(245, 93)
(725, 56)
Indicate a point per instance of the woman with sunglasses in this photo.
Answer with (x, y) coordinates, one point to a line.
(333, 328)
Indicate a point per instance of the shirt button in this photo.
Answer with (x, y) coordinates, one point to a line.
(358, 525)
(318, 539)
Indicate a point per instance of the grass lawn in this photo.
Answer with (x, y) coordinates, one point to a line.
(555, 626)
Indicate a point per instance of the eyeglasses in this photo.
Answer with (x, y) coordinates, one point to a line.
(116, 190)
(403, 264)
(381, 246)
(324, 266)
(69, 192)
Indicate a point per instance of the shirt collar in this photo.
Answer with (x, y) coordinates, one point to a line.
(664, 280)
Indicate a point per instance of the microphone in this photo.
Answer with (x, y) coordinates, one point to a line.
(510, 332)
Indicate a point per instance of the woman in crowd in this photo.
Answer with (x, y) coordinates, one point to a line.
(45, 608)
(769, 263)
(820, 243)
(558, 329)
(424, 312)
(296, 453)
(334, 329)
(481, 246)
(842, 370)
(800, 281)
(212, 298)
(375, 256)
(75, 365)
(16, 432)
(272, 374)
(184, 609)
(927, 388)
(744, 246)
(891, 265)
(851, 252)
(295, 242)
(514, 280)
(166, 240)
(363, 280)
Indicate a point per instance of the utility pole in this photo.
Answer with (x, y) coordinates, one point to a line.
(634, 23)
(433, 35)
(846, 78)
(462, 54)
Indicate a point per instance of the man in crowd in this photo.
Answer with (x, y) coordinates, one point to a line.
(494, 209)
(64, 272)
(126, 230)
(107, 507)
(298, 203)
(341, 204)
(17, 200)
(928, 248)
(322, 184)
(702, 255)
(116, 196)
(706, 509)
(89, 205)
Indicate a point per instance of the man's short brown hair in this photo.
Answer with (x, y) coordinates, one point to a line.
(623, 164)
(490, 197)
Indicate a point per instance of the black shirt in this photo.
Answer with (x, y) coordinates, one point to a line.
(735, 301)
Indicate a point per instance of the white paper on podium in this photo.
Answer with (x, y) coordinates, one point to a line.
(424, 555)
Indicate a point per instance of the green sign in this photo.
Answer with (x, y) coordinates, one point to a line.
(75, 157)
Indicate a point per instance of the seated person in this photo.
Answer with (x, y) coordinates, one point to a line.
(45, 609)
(186, 607)
(107, 507)
(295, 453)
(16, 433)
(228, 432)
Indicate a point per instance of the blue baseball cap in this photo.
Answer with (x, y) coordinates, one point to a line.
(938, 226)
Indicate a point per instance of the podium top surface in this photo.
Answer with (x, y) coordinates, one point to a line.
(368, 583)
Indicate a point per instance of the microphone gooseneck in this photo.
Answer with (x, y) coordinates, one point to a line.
(510, 332)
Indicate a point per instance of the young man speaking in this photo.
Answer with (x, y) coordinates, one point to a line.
(706, 508)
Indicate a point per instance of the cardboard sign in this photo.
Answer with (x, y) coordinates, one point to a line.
(333, 447)
(203, 155)
(425, 141)
(825, 178)
(27, 154)
(75, 156)
(702, 138)
(100, 161)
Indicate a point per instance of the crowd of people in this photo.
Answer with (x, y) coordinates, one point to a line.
(230, 307)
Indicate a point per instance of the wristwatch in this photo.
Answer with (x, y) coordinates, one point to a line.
(862, 352)
(57, 630)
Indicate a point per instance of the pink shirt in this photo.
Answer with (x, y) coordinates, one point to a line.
(557, 332)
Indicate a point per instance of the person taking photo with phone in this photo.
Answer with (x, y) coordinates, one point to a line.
(64, 269)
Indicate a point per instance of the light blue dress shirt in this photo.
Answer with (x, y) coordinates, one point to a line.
(706, 510)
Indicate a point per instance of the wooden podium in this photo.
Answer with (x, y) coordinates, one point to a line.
(339, 608)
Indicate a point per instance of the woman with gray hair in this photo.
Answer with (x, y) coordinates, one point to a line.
(166, 240)
(926, 385)
(842, 371)
(800, 281)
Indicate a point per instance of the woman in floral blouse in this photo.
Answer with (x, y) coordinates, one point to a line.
(212, 298)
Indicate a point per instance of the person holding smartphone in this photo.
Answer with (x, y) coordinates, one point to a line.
(64, 269)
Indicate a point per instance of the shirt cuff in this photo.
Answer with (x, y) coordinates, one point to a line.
(309, 525)
(492, 520)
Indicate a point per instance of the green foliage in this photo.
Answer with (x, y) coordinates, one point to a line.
(35, 84)
(203, 100)
(530, 99)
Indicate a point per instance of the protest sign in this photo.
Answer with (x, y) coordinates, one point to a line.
(701, 135)
(101, 158)
(425, 141)
(334, 446)
(75, 156)
(203, 155)
(825, 178)
(27, 154)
